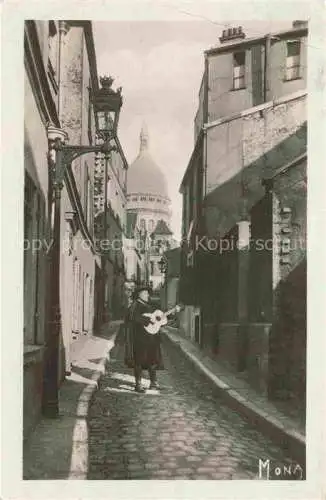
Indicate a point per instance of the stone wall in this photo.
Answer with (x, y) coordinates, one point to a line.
(288, 340)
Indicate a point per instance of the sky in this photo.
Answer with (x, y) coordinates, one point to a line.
(159, 65)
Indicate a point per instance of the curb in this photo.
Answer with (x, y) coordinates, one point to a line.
(291, 441)
(79, 453)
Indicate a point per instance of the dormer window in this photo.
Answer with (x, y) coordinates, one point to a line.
(293, 60)
(239, 60)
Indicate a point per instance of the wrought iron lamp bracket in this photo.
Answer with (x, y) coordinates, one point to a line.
(66, 154)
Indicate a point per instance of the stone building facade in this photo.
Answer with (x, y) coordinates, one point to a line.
(78, 77)
(40, 108)
(60, 77)
(241, 140)
(241, 72)
(110, 230)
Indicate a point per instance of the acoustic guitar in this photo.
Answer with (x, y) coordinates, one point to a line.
(159, 318)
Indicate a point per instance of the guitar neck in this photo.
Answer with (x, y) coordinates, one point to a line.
(170, 311)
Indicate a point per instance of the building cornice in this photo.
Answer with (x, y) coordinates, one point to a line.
(150, 194)
(34, 65)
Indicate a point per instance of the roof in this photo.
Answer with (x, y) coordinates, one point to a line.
(226, 47)
(144, 175)
(162, 228)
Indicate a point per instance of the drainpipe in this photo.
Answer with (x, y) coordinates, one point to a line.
(205, 111)
(266, 66)
(206, 118)
(204, 180)
(105, 232)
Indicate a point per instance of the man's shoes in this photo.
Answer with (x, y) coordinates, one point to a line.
(140, 389)
(154, 385)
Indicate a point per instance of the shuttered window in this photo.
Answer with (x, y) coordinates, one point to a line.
(293, 59)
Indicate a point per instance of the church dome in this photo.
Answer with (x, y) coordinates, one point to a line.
(144, 175)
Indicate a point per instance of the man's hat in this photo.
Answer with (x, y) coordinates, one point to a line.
(142, 288)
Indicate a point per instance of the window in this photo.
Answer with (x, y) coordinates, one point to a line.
(86, 302)
(32, 219)
(152, 267)
(142, 223)
(76, 285)
(293, 60)
(151, 225)
(239, 59)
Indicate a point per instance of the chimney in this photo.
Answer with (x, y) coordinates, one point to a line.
(232, 34)
(300, 24)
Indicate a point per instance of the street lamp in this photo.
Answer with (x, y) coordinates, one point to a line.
(107, 104)
(107, 107)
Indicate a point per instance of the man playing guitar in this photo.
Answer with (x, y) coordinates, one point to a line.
(143, 339)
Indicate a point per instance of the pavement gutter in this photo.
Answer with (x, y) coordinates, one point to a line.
(291, 441)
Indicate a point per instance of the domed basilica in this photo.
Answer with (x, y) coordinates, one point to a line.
(148, 203)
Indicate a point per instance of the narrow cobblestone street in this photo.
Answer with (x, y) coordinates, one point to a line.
(183, 431)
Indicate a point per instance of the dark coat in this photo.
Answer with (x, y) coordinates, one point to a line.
(141, 348)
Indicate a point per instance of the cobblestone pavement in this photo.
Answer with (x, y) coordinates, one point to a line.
(183, 431)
